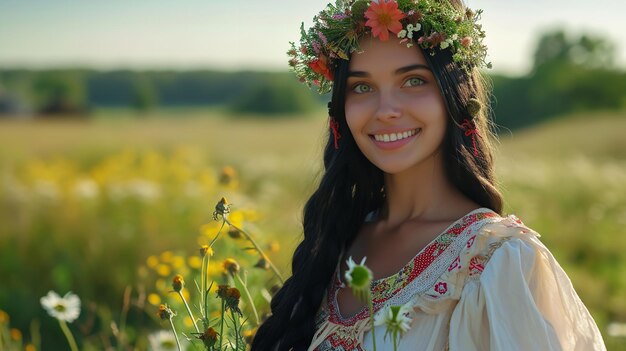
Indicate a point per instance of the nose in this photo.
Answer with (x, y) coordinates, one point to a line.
(388, 106)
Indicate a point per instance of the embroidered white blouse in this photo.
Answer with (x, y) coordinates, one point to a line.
(486, 283)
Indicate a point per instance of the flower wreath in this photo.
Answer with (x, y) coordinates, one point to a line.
(432, 24)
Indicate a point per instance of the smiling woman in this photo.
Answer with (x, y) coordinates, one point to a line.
(409, 184)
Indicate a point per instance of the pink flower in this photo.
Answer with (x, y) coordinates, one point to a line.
(316, 47)
(322, 37)
(384, 17)
(466, 41)
(441, 288)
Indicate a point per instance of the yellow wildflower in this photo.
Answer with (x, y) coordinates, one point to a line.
(165, 312)
(154, 299)
(231, 266)
(4, 317)
(166, 256)
(274, 246)
(206, 250)
(178, 283)
(228, 175)
(152, 261)
(163, 270)
(194, 262)
(16, 334)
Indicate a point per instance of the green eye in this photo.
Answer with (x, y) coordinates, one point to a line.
(414, 81)
(361, 88)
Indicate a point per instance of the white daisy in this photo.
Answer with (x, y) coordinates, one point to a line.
(395, 318)
(66, 308)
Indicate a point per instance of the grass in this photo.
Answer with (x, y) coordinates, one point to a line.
(159, 176)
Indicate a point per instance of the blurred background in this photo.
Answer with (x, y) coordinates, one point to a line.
(122, 124)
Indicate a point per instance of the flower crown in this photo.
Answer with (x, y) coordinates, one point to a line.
(336, 32)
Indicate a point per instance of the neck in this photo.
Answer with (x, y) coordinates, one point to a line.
(422, 192)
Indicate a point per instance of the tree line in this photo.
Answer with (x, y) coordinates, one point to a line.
(569, 74)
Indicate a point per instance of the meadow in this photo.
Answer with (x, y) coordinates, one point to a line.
(111, 208)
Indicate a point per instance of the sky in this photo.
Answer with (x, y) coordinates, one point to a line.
(250, 34)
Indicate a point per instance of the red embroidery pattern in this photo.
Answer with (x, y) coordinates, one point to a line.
(345, 339)
(477, 265)
(441, 287)
(470, 242)
(455, 264)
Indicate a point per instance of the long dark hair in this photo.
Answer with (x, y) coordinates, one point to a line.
(352, 186)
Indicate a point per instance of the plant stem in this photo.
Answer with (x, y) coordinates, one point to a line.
(395, 338)
(203, 280)
(222, 324)
(245, 289)
(371, 308)
(258, 248)
(218, 234)
(193, 320)
(68, 335)
(175, 335)
(235, 324)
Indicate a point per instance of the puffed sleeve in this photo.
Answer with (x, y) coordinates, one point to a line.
(522, 300)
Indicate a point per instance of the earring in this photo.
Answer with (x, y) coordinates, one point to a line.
(334, 126)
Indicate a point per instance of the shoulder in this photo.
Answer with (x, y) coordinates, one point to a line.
(509, 248)
(504, 239)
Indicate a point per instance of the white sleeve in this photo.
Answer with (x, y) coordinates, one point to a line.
(523, 300)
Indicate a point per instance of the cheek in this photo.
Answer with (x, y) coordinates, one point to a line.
(355, 117)
(431, 109)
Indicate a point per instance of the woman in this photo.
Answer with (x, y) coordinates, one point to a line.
(409, 185)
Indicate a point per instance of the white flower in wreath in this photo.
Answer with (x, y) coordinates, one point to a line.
(408, 32)
(446, 43)
(410, 28)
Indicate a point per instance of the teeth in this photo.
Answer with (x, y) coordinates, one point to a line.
(395, 136)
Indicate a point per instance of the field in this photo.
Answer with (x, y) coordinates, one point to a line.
(113, 207)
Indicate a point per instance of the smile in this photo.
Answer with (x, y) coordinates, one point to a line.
(386, 138)
(395, 140)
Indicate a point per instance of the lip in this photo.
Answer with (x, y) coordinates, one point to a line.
(391, 145)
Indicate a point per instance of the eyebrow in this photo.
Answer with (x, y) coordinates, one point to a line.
(398, 71)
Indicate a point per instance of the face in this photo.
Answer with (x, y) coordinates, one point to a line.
(394, 107)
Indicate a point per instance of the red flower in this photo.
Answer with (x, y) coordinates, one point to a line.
(321, 66)
(441, 288)
(384, 17)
